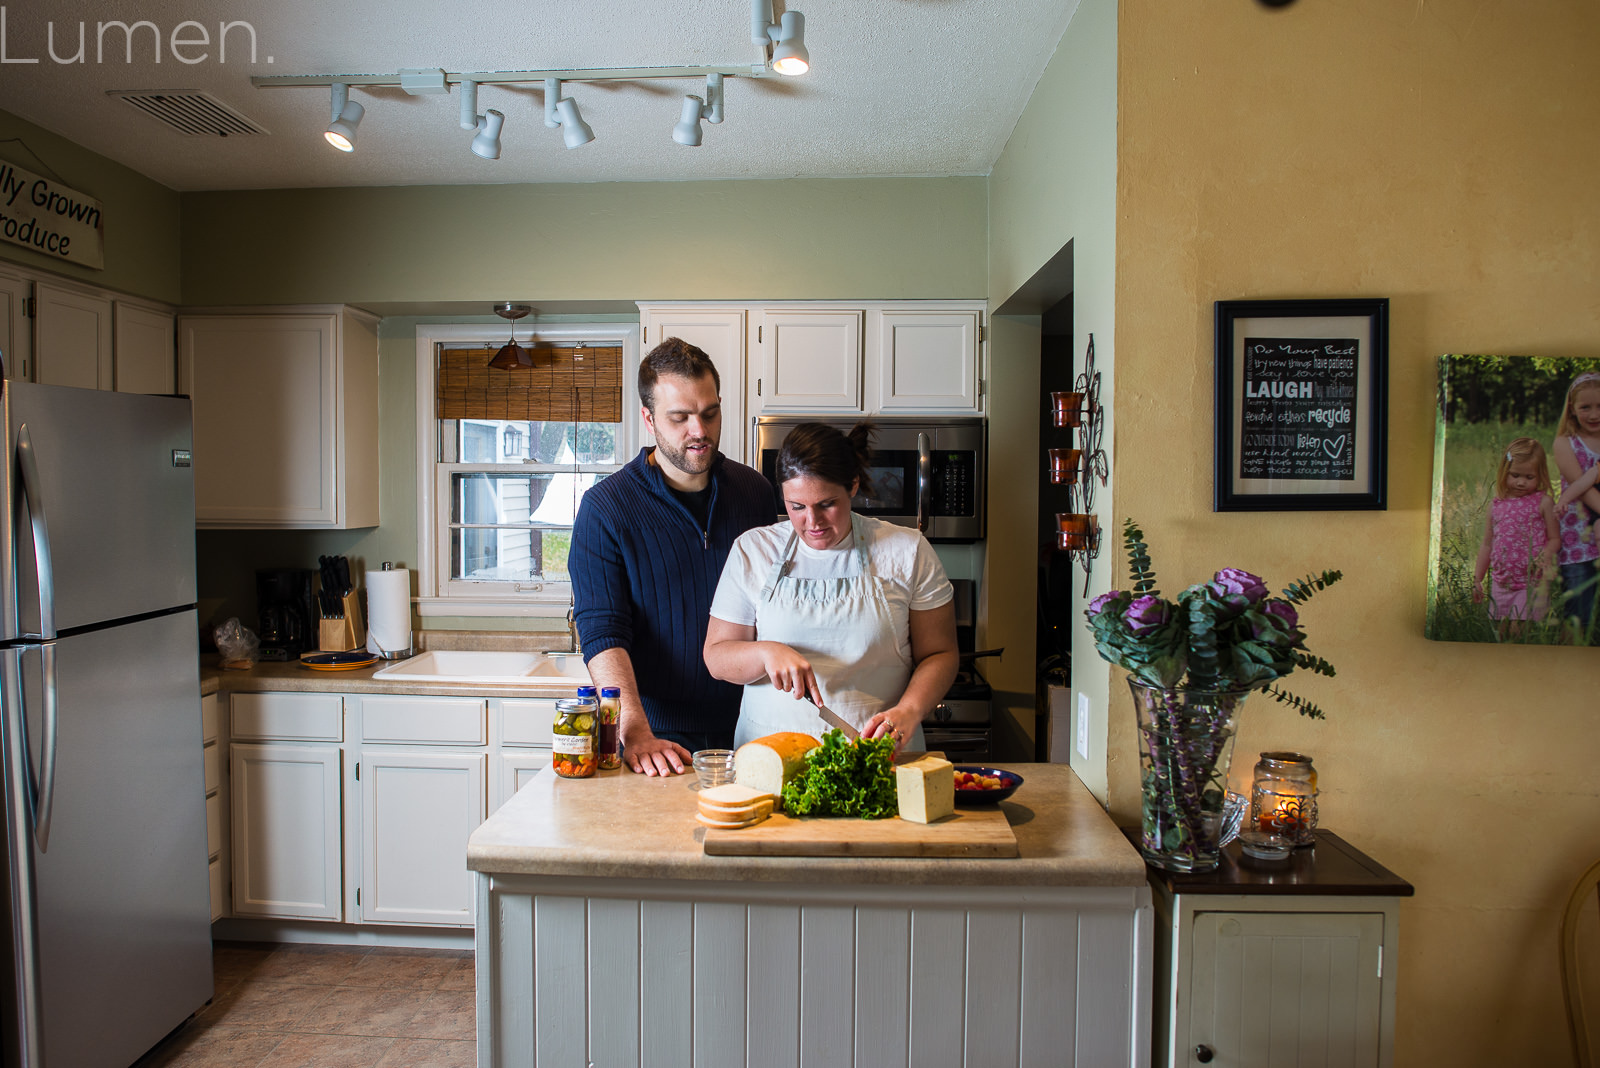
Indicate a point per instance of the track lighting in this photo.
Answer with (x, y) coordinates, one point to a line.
(687, 132)
(487, 126)
(341, 132)
(787, 37)
(564, 113)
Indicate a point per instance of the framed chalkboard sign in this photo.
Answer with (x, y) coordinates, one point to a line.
(1302, 405)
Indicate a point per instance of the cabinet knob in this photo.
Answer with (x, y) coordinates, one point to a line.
(1203, 1054)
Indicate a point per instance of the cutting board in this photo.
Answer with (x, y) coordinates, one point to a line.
(971, 832)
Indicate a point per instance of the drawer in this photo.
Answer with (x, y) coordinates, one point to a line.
(210, 715)
(217, 890)
(526, 722)
(213, 825)
(436, 720)
(307, 717)
(213, 767)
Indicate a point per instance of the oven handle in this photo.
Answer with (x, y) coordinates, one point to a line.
(924, 482)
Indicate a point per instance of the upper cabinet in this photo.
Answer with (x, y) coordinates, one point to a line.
(144, 349)
(835, 357)
(285, 417)
(72, 338)
(16, 330)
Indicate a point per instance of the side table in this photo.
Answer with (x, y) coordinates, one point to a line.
(1290, 962)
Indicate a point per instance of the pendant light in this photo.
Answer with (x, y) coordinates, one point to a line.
(512, 356)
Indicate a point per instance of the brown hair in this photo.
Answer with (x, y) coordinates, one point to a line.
(674, 356)
(820, 451)
(1521, 451)
(1569, 421)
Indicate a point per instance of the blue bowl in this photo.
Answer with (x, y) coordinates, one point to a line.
(1009, 780)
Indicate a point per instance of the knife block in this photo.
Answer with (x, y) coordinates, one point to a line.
(343, 635)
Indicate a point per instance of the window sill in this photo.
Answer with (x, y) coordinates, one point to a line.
(529, 606)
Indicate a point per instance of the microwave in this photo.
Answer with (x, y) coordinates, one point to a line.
(926, 472)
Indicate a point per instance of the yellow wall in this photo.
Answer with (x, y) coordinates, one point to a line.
(1445, 155)
(141, 216)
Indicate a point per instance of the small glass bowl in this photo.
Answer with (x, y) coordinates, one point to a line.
(1264, 846)
(714, 766)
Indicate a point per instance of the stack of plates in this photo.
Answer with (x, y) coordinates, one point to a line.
(731, 806)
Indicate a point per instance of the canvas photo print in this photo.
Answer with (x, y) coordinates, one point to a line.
(1514, 549)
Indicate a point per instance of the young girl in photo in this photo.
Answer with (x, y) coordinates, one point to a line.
(1577, 451)
(1520, 539)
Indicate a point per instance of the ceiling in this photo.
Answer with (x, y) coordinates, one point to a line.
(896, 87)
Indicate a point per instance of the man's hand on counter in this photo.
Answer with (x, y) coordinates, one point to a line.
(649, 755)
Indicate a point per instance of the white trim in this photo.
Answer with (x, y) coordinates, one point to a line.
(431, 602)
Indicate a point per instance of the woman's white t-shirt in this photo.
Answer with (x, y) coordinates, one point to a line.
(911, 572)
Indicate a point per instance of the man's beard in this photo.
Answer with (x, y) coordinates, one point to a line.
(683, 461)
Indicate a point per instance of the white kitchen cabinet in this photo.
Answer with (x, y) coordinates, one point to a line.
(927, 360)
(524, 749)
(72, 337)
(720, 333)
(1291, 963)
(285, 417)
(286, 830)
(809, 360)
(16, 326)
(419, 807)
(212, 722)
(145, 356)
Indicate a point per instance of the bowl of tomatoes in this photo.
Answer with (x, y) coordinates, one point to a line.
(984, 786)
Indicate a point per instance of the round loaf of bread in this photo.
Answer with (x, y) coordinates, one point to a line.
(767, 763)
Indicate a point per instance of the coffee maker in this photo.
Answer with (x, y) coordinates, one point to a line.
(287, 622)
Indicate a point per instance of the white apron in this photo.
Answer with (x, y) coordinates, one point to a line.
(858, 646)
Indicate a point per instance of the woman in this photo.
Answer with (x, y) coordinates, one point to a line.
(849, 611)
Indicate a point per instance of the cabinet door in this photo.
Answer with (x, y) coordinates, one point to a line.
(720, 334)
(71, 338)
(1274, 988)
(144, 352)
(286, 821)
(265, 391)
(810, 360)
(928, 361)
(16, 332)
(516, 769)
(418, 808)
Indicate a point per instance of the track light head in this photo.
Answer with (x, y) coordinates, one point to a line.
(787, 36)
(341, 132)
(713, 108)
(487, 143)
(687, 132)
(574, 131)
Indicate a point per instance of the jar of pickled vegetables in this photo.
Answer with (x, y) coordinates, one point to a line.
(573, 751)
(610, 717)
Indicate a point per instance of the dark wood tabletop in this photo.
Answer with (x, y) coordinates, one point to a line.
(1331, 867)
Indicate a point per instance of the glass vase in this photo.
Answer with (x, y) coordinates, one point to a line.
(1185, 747)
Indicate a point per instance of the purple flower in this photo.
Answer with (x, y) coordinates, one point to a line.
(1100, 603)
(1234, 582)
(1146, 614)
(1284, 611)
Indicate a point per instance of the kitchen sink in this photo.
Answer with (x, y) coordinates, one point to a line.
(486, 666)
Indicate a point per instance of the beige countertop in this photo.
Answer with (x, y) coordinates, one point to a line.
(627, 826)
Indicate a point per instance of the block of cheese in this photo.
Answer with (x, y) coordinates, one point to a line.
(925, 789)
(767, 763)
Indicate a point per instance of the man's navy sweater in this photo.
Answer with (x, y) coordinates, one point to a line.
(643, 573)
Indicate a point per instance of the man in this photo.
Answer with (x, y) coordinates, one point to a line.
(648, 546)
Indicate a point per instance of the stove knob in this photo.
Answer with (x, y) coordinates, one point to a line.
(941, 713)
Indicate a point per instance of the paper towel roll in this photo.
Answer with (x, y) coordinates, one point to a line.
(389, 612)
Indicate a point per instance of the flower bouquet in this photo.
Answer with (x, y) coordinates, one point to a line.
(1192, 662)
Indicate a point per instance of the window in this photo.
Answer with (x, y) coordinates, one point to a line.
(510, 455)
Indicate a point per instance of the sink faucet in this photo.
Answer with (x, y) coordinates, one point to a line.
(572, 628)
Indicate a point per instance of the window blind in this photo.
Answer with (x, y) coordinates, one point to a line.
(569, 383)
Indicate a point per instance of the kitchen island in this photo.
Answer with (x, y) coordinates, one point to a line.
(606, 936)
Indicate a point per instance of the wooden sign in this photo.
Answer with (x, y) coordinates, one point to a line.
(43, 215)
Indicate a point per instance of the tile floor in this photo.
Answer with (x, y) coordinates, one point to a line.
(304, 1006)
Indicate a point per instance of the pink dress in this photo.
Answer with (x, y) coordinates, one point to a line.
(1578, 544)
(1519, 538)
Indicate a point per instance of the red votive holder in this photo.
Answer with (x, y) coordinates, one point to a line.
(1064, 464)
(1068, 408)
(1074, 530)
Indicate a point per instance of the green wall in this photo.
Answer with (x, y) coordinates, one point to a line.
(1054, 185)
(142, 221)
(794, 239)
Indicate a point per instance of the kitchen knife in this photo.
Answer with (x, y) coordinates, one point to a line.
(833, 719)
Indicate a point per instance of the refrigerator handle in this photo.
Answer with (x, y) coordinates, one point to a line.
(18, 806)
(28, 465)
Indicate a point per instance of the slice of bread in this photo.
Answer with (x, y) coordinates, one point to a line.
(740, 812)
(730, 825)
(732, 793)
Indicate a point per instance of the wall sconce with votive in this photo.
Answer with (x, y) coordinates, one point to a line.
(1283, 797)
(1064, 465)
(1077, 530)
(1068, 409)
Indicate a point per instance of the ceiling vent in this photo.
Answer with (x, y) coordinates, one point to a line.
(189, 111)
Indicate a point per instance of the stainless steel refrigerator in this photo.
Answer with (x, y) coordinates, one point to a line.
(107, 896)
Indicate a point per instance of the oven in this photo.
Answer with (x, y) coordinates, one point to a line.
(959, 725)
(926, 472)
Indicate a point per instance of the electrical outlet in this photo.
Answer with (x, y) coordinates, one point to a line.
(1083, 725)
